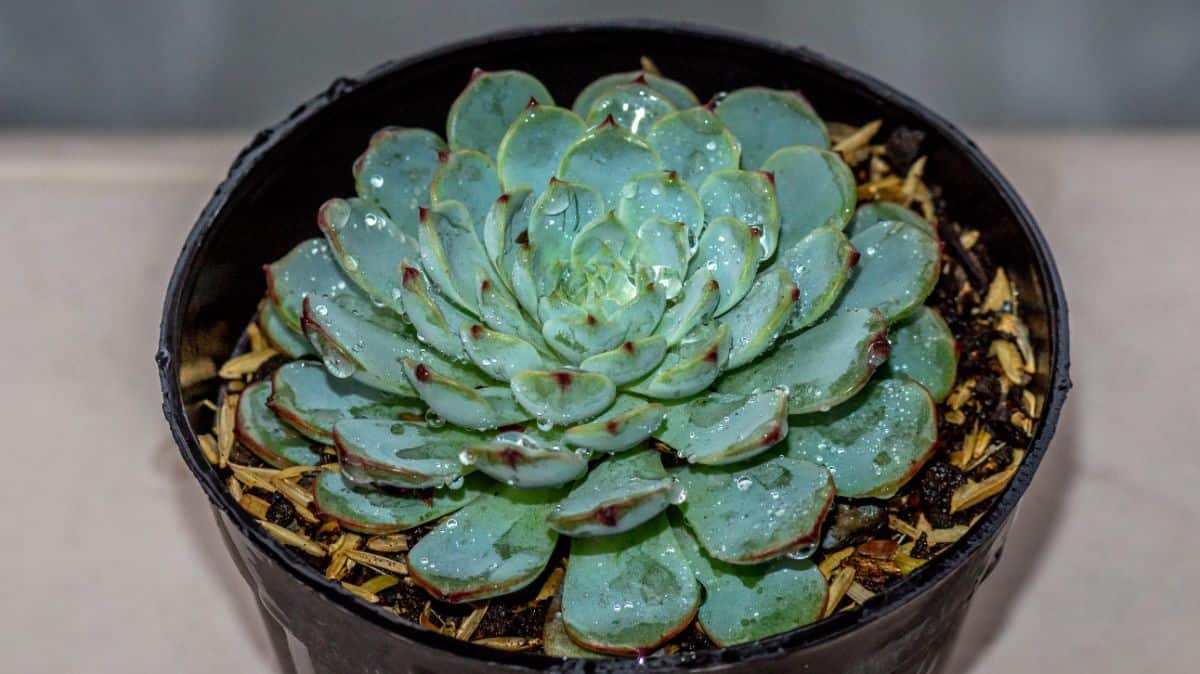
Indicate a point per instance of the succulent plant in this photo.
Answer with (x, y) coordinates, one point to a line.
(638, 323)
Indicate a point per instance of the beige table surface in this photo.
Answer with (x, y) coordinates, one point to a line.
(112, 562)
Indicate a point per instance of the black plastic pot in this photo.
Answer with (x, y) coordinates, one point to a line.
(268, 202)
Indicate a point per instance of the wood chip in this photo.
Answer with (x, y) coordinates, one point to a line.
(209, 405)
(879, 189)
(293, 472)
(973, 493)
(1010, 361)
(649, 66)
(859, 138)
(235, 488)
(859, 593)
(247, 363)
(833, 560)
(226, 419)
(255, 336)
(1032, 403)
(969, 238)
(388, 543)
(252, 477)
(879, 548)
(380, 583)
(1012, 325)
(1021, 421)
(550, 587)
(899, 525)
(961, 394)
(908, 563)
(468, 626)
(999, 295)
(361, 593)
(837, 589)
(378, 562)
(434, 622)
(878, 168)
(948, 535)
(236, 386)
(908, 191)
(339, 563)
(208, 447)
(296, 540)
(196, 371)
(511, 644)
(252, 504)
(955, 417)
(292, 491)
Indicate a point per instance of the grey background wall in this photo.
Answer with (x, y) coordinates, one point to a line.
(162, 64)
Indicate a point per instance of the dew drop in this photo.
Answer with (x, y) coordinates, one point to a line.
(742, 482)
(350, 263)
(376, 181)
(434, 419)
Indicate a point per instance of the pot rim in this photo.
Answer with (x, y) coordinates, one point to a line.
(919, 582)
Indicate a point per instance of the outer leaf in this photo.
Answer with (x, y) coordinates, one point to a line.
(532, 146)
(468, 177)
(629, 593)
(618, 495)
(747, 603)
(730, 252)
(576, 338)
(496, 545)
(718, 428)
(819, 265)
(899, 268)
(695, 143)
(633, 106)
(665, 196)
(748, 197)
(367, 245)
(376, 512)
(307, 269)
(311, 400)
(874, 212)
(756, 321)
(923, 348)
(765, 120)
(607, 157)
(396, 170)
(401, 453)
(690, 366)
(280, 334)
(563, 396)
(555, 641)
(562, 210)
(821, 367)
(815, 189)
(630, 361)
(754, 512)
(701, 294)
(629, 422)
(528, 459)
(461, 405)
(498, 354)
(266, 435)
(484, 111)
(873, 444)
(678, 94)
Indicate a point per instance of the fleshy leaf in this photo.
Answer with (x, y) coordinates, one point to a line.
(690, 366)
(757, 511)
(562, 210)
(629, 422)
(356, 338)
(563, 396)
(722, 428)
(280, 334)
(452, 254)
(307, 269)
(629, 593)
(765, 120)
(522, 279)
(555, 641)
(618, 495)
(500, 311)
(605, 232)
(695, 143)
(375, 512)
(663, 252)
(815, 188)
(499, 354)
(311, 400)
(662, 195)
(433, 319)
(484, 111)
(630, 361)
(527, 459)
(578, 337)
(496, 545)
(396, 170)
(922, 347)
(820, 367)
(730, 252)
(898, 269)
(819, 265)
(872, 213)
(532, 146)
(401, 453)
(459, 404)
(701, 294)
(367, 245)
(756, 321)
(265, 434)
(678, 94)
(642, 314)
(468, 177)
(747, 603)
(874, 443)
(606, 158)
(633, 106)
(748, 197)
(505, 223)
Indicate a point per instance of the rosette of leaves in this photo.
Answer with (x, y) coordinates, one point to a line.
(655, 327)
